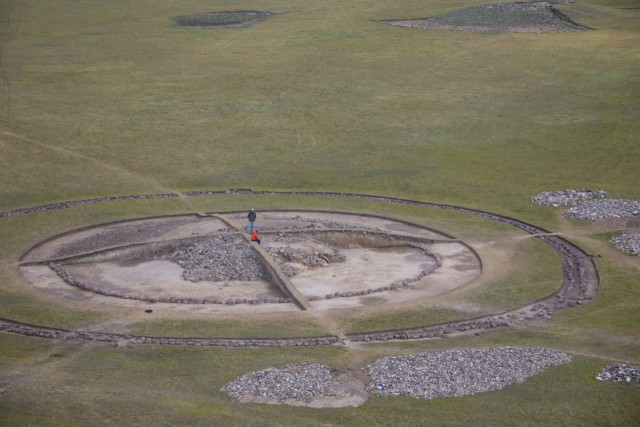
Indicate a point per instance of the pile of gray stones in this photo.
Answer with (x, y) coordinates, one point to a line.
(302, 382)
(620, 373)
(627, 242)
(429, 375)
(569, 197)
(459, 372)
(596, 210)
(593, 205)
(220, 258)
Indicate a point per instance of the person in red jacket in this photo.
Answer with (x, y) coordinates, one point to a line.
(255, 237)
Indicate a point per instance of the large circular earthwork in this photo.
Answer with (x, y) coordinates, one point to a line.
(308, 260)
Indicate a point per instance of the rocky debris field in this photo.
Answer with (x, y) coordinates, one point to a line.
(596, 210)
(459, 372)
(620, 373)
(220, 259)
(498, 17)
(288, 251)
(569, 197)
(593, 205)
(302, 382)
(429, 375)
(628, 243)
(124, 235)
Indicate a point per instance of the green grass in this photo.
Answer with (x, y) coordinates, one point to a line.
(113, 98)
(231, 328)
(404, 318)
(318, 95)
(530, 275)
(180, 386)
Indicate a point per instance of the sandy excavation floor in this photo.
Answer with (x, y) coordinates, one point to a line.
(134, 259)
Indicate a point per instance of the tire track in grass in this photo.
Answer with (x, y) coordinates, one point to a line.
(126, 174)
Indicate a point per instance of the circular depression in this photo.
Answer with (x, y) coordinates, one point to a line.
(308, 259)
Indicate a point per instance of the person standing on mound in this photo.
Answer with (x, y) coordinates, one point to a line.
(252, 220)
(255, 237)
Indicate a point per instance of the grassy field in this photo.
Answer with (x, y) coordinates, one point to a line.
(113, 98)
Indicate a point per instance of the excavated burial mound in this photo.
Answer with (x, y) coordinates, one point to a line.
(333, 260)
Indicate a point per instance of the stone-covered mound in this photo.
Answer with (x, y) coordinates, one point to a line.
(219, 259)
(427, 375)
(234, 18)
(521, 17)
(451, 373)
(568, 197)
(302, 382)
(620, 373)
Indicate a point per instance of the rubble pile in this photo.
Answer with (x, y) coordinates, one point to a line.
(220, 259)
(302, 382)
(620, 373)
(628, 243)
(595, 210)
(569, 197)
(459, 372)
(285, 251)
